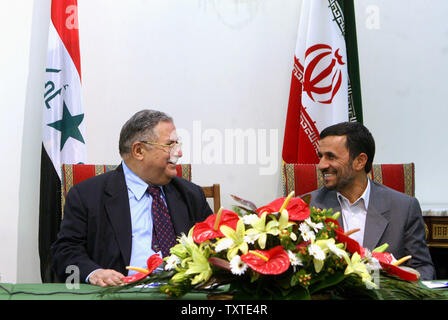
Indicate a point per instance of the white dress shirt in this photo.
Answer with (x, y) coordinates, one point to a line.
(354, 215)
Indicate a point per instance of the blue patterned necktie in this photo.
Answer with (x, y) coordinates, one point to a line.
(163, 235)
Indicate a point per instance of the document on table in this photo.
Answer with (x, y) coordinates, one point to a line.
(436, 284)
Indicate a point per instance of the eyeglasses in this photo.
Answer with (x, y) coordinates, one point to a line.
(175, 145)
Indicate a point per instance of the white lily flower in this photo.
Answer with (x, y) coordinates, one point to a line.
(337, 251)
(318, 255)
(315, 251)
(372, 263)
(223, 244)
(249, 218)
(316, 226)
(251, 238)
(171, 262)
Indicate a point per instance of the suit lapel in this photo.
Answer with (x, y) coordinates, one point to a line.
(177, 208)
(334, 203)
(119, 213)
(376, 220)
(330, 200)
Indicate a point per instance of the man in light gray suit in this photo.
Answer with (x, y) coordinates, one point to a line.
(381, 214)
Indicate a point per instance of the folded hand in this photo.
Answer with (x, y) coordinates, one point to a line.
(106, 277)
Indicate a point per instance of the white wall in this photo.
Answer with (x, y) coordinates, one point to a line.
(210, 64)
(215, 66)
(403, 77)
(19, 132)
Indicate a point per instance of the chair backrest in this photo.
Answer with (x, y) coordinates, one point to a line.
(304, 178)
(215, 193)
(75, 173)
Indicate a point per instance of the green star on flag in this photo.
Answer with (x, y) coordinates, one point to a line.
(68, 126)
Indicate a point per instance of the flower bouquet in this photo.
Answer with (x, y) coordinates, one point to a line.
(283, 250)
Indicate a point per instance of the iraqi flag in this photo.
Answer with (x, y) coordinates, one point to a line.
(63, 122)
(325, 80)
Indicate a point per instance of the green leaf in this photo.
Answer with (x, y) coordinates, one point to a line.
(294, 280)
(327, 282)
(298, 293)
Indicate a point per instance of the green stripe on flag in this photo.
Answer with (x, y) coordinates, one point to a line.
(351, 43)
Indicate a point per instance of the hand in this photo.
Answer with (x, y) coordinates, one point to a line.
(106, 277)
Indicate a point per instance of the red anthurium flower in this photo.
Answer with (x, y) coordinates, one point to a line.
(273, 261)
(209, 228)
(298, 209)
(399, 272)
(352, 245)
(387, 261)
(153, 262)
(384, 257)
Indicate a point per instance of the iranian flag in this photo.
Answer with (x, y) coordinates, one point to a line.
(63, 125)
(325, 86)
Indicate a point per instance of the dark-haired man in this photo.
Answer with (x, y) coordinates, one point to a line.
(122, 217)
(383, 215)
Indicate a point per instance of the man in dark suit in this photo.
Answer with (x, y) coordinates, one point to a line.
(382, 215)
(115, 219)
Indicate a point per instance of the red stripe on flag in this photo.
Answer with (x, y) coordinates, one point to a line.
(64, 15)
(305, 178)
(308, 138)
(291, 139)
(300, 129)
(393, 176)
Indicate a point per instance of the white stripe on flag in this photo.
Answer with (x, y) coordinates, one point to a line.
(62, 86)
(317, 26)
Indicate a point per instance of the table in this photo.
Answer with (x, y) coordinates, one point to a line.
(59, 291)
(55, 300)
(36, 299)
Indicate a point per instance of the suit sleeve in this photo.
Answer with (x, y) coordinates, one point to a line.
(70, 247)
(416, 244)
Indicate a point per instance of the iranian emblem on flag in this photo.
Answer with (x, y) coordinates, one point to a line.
(320, 90)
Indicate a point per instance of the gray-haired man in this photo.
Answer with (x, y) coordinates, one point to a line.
(122, 217)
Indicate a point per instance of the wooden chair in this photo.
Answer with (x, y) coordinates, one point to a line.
(304, 178)
(215, 193)
(75, 173)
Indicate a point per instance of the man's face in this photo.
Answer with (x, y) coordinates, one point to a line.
(158, 162)
(335, 163)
